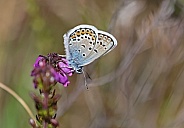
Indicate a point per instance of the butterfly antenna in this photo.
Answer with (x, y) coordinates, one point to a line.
(85, 82)
(88, 75)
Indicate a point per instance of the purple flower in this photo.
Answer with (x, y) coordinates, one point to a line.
(38, 63)
(57, 68)
(44, 75)
(63, 79)
(55, 74)
(65, 68)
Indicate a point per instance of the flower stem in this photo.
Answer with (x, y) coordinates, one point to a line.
(45, 103)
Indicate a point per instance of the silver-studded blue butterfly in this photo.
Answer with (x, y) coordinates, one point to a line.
(85, 43)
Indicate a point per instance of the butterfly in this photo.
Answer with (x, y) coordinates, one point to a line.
(84, 44)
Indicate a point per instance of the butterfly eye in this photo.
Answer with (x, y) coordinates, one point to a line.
(79, 70)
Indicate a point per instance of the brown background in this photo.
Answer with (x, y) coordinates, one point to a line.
(140, 84)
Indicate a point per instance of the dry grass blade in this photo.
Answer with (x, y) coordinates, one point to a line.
(18, 98)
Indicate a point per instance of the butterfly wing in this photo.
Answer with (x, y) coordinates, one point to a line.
(79, 43)
(105, 42)
(85, 43)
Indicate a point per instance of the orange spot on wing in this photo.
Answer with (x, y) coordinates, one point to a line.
(83, 32)
(73, 36)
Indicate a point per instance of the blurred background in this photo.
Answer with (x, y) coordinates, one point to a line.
(140, 84)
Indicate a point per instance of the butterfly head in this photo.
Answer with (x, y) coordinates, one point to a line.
(79, 70)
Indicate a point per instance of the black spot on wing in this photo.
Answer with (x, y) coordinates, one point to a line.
(95, 50)
(83, 45)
